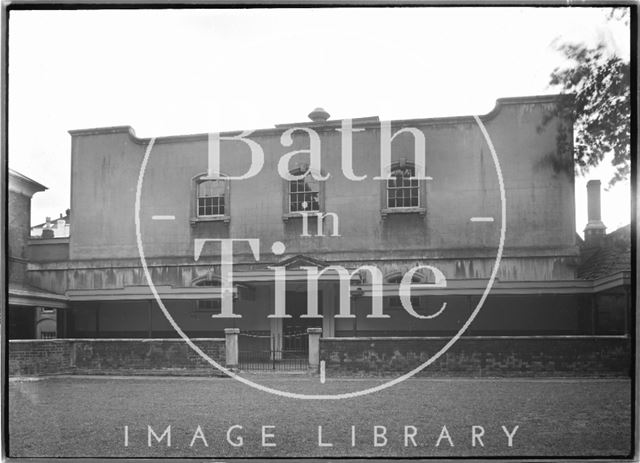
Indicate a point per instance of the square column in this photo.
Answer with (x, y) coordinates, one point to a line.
(314, 347)
(231, 346)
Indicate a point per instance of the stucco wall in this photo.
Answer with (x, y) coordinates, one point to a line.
(48, 250)
(539, 191)
(141, 319)
(503, 314)
(181, 272)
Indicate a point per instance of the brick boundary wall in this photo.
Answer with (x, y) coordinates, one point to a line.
(477, 356)
(594, 356)
(113, 356)
(40, 357)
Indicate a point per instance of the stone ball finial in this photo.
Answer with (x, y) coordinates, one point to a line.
(319, 115)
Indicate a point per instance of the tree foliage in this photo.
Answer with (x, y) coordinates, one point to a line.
(600, 82)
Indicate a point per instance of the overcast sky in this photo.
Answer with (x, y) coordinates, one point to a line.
(169, 72)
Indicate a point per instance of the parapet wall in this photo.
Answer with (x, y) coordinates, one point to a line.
(40, 357)
(479, 356)
(112, 356)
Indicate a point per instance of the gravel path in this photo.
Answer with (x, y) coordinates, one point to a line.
(86, 417)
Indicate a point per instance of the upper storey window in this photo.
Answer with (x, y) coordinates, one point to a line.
(211, 198)
(304, 194)
(402, 190)
(402, 193)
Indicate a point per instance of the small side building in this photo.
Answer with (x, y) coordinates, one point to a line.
(605, 261)
(58, 228)
(31, 310)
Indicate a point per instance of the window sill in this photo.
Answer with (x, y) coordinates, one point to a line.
(298, 215)
(217, 218)
(403, 210)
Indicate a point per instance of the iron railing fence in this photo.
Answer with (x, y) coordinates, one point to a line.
(257, 353)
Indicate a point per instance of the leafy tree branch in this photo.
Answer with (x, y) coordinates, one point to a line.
(600, 82)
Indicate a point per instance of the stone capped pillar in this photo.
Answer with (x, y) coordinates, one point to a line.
(231, 346)
(314, 347)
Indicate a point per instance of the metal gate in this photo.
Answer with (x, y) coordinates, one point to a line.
(257, 353)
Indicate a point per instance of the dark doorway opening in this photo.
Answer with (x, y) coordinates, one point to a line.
(21, 322)
(294, 329)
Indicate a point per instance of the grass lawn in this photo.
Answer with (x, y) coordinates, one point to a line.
(86, 417)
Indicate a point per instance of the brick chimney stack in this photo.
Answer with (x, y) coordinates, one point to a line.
(595, 229)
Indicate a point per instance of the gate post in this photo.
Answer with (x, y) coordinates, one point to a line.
(314, 347)
(231, 346)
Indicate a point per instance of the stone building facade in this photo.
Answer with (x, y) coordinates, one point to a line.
(445, 214)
